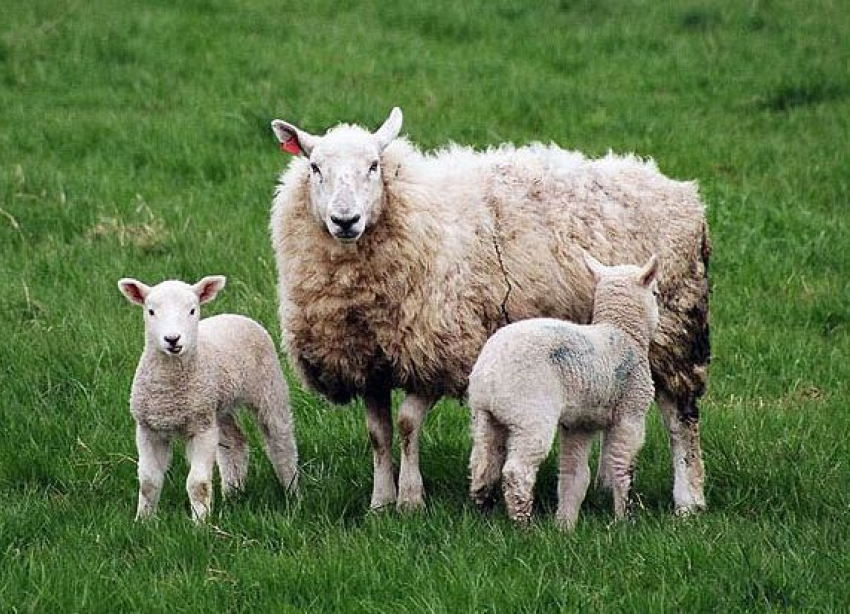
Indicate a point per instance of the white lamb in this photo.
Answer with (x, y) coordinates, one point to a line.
(395, 266)
(192, 377)
(541, 375)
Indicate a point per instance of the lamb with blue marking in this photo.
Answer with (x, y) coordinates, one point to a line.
(543, 375)
(192, 377)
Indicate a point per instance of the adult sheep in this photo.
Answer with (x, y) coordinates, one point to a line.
(395, 266)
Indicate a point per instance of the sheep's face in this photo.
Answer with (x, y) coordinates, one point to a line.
(345, 183)
(172, 311)
(346, 189)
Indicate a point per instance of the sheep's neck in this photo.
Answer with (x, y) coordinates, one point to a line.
(631, 326)
(178, 366)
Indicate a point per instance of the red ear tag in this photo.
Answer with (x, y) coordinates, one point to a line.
(291, 146)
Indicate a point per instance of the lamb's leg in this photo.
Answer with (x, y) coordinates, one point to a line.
(603, 471)
(380, 426)
(624, 441)
(573, 475)
(154, 457)
(232, 455)
(201, 451)
(411, 415)
(275, 420)
(487, 458)
(526, 450)
(681, 417)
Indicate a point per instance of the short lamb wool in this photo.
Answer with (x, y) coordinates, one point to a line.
(192, 377)
(542, 375)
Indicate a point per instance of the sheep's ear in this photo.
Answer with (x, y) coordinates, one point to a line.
(292, 139)
(209, 287)
(389, 130)
(649, 271)
(134, 290)
(596, 268)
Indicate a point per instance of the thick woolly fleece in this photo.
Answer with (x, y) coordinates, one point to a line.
(234, 364)
(536, 377)
(466, 242)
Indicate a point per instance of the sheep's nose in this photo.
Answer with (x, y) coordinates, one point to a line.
(345, 223)
(172, 339)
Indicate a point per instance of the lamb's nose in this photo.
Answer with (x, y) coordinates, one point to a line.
(345, 223)
(172, 339)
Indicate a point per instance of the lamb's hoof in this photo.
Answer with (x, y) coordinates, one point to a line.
(521, 520)
(567, 525)
(691, 509)
(379, 507)
(406, 506)
(484, 505)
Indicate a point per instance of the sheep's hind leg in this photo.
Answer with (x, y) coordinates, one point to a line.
(411, 415)
(201, 451)
(154, 458)
(603, 471)
(232, 455)
(487, 458)
(573, 475)
(624, 441)
(278, 432)
(380, 426)
(526, 450)
(681, 417)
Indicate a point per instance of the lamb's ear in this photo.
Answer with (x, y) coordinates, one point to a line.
(649, 271)
(389, 130)
(134, 290)
(209, 287)
(596, 268)
(292, 139)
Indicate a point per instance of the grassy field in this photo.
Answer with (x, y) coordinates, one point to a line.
(135, 141)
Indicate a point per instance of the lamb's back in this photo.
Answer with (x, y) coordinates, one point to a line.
(545, 364)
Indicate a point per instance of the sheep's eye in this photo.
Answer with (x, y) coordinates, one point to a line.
(191, 313)
(374, 167)
(315, 169)
(150, 312)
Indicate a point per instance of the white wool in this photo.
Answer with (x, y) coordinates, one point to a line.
(192, 377)
(542, 375)
(394, 276)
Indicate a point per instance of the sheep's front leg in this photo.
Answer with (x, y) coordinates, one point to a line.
(380, 426)
(201, 451)
(154, 457)
(411, 415)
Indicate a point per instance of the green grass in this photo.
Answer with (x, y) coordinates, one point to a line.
(135, 140)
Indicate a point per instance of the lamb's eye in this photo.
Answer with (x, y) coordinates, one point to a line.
(191, 313)
(315, 169)
(374, 167)
(150, 312)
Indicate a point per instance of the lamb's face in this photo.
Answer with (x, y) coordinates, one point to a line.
(172, 310)
(346, 189)
(345, 183)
